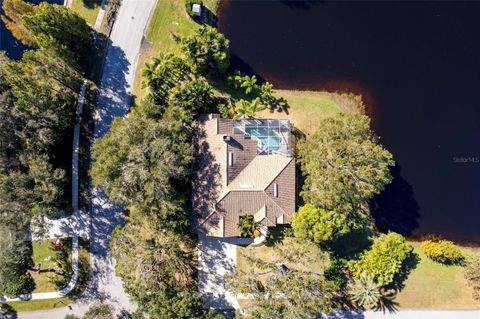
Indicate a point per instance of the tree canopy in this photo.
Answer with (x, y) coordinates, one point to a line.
(343, 163)
(280, 291)
(207, 51)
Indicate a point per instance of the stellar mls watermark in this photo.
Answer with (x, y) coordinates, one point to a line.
(466, 159)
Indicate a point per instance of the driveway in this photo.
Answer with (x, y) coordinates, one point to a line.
(216, 257)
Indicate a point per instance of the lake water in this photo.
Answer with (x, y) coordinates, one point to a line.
(8, 43)
(418, 66)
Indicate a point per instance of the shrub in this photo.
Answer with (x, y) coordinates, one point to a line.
(472, 274)
(442, 251)
(189, 4)
(334, 272)
(246, 226)
(383, 260)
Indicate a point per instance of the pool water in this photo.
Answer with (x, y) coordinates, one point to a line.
(269, 140)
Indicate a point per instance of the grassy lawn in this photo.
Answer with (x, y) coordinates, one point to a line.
(433, 285)
(87, 9)
(308, 108)
(169, 17)
(43, 252)
(33, 305)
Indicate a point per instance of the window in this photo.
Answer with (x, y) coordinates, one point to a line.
(275, 190)
(230, 158)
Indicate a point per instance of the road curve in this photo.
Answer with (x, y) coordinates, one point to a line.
(113, 101)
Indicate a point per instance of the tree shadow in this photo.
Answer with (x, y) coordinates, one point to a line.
(350, 244)
(387, 303)
(92, 4)
(7, 311)
(395, 208)
(407, 267)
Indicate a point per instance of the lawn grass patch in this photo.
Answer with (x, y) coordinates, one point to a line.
(307, 108)
(43, 252)
(32, 305)
(436, 286)
(87, 9)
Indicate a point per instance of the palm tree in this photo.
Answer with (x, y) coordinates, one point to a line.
(249, 83)
(365, 292)
(245, 109)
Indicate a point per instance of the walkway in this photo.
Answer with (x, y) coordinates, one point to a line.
(216, 257)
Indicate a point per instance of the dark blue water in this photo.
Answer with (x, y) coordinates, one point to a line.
(418, 65)
(8, 43)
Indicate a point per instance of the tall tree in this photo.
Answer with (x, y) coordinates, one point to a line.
(54, 27)
(207, 51)
(344, 164)
(44, 89)
(15, 259)
(137, 161)
(280, 291)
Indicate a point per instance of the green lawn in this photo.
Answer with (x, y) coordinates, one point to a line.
(308, 108)
(33, 305)
(43, 252)
(168, 18)
(87, 9)
(436, 286)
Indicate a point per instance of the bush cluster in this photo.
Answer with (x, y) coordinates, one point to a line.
(442, 251)
(384, 260)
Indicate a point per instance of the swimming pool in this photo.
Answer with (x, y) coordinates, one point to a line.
(269, 140)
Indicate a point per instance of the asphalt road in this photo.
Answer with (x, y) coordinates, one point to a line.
(114, 101)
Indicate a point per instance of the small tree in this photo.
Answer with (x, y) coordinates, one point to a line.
(246, 226)
(384, 260)
(318, 224)
(245, 109)
(442, 251)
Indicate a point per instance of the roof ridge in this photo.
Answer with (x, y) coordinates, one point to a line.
(281, 171)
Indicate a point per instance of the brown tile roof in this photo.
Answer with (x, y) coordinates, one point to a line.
(222, 193)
